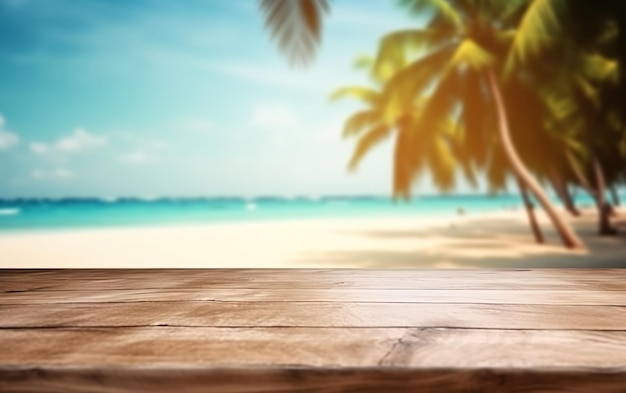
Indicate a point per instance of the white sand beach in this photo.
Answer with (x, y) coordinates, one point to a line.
(500, 240)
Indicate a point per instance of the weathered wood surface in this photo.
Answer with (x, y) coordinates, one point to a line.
(337, 295)
(274, 330)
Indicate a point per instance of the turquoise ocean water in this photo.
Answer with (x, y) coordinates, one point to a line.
(72, 213)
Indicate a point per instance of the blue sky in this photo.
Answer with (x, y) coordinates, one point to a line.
(179, 98)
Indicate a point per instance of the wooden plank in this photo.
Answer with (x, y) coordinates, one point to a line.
(326, 380)
(312, 281)
(313, 347)
(264, 360)
(312, 330)
(312, 314)
(335, 295)
(509, 349)
(174, 276)
(192, 347)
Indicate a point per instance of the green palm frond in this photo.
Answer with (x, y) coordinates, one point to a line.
(408, 160)
(463, 157)
(600, 69)
(371, 138)
(474, 119)
(539, 26)
(364, 94)
(296, 25)
(512, 11)
(497, 171)
(561, 107)
(573, 145)
(470, 54)
(394, 47)
(413, 81)
(439, 106)
(363, 62)
(359, 121)
(442, 165)
(505, 37)
(586, 91)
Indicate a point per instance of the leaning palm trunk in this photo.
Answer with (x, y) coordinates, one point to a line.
(584, 183)
(560, 187)
(566, 233)
(530, 211)
(569, 201)
(582, 180)
(604, 209)
(604, 225)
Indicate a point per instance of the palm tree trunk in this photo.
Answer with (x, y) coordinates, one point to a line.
(604, 209)
(567, 192)
(584, 182)
(530, 211)
(582, 179)
(565, 231)
(561, 190)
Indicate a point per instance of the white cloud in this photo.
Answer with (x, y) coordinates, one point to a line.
(7, 139)
(273, 115)
(52, 174)
(80, 141)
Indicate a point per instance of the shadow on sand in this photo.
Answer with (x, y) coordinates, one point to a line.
(502, 243)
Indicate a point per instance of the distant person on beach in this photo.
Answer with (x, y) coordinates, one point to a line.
(460, 211)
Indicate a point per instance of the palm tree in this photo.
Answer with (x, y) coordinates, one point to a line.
(488, 49)
(407, 162)
(464, 48)
(440, 153)
(579, 110)
(589, 38)
(432, 153)
(296, 25)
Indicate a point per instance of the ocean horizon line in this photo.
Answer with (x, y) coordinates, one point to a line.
(260, 197)
(82, 212)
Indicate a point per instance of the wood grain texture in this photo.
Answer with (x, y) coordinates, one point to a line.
(314, 347)
(312, 314)
(314, 330)
(209, 347)
(457, 284)
(333, 295)
(161, 279)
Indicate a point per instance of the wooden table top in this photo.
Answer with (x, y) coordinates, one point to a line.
(326, 330)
